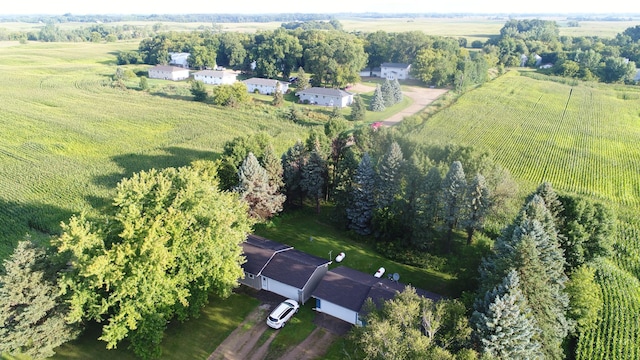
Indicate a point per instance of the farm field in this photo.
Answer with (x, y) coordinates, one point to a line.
(68, 137)
(583, 139)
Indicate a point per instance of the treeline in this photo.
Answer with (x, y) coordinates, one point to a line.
(50, 32)
(533, 43)
(334, 57)
(206, 18)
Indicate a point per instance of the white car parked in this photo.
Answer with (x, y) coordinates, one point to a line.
(282, 313)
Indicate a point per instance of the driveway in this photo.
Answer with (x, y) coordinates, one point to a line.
(421, 97)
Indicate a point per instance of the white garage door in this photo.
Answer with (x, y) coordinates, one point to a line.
(337, 311)
(279, 288)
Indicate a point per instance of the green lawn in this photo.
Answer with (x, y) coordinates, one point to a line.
(309, 233)
(193, 339)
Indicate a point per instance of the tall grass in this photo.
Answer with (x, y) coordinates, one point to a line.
(68, 136)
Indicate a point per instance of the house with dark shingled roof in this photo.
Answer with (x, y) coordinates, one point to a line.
(343, 292)
(281, 269)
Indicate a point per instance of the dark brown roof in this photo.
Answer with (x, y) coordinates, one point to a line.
(293, 267)
(351, 288)
(258, 252)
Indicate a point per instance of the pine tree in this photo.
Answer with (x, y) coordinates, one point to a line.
(477, 203)
(360, 212)
(452, 199)
(273, 167)
(303, 79)
(256, 190)
(387, 93)
(278, 97)
(503, 324)
(358, 110)
(377, 103)
(32, 316)
(396, 91)
(427, 208)
(313, 177)
(390, 176)
(292, 162)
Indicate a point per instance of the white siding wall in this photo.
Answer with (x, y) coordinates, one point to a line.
(281, 288)
(339, 312)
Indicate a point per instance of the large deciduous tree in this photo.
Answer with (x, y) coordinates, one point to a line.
(172, 240)
(32, 314)
(410, 326)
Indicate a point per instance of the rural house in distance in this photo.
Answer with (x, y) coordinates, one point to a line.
(326, 97)
(215, 77)
(393, 71)
(167, 72)
(265, 86)
(179, 59)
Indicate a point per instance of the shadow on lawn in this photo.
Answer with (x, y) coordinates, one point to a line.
(133, 163)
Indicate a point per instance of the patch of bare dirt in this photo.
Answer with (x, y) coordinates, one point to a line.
(421, 97)
(313, 347)
(242, 343)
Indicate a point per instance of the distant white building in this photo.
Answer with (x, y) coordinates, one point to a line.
(179, 59)
(393, 71)
(370, 72)
(326, 97)
(166, 72)
(265, 86)
(215, 77)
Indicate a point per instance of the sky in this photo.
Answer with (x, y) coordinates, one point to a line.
(83, 7)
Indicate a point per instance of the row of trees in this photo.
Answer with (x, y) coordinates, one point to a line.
(527, 306)
(588, 58)
(333, 56)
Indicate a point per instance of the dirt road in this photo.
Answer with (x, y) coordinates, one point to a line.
(421, 98)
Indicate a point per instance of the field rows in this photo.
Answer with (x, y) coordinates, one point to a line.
(67, 138)
(616, 335)
(582, 139)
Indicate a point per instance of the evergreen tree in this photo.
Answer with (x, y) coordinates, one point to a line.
(387, 93)
(273, 167)
(427, 209)
(550, 198)
(396, 91)
(32, 315)
(303, 79)
(360, 212)
(452, 200)
(313, 177)
(358, 109)
(477, 203)
(278, 97)
(144, 84)
(199, 91)
(255, 189)
(390, 174)
(377, 102)
(503, 324)
(585, 297)
(292, 162)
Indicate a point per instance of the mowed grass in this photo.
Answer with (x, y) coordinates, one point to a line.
(68, 137)
(310, 233)
(193, 339)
